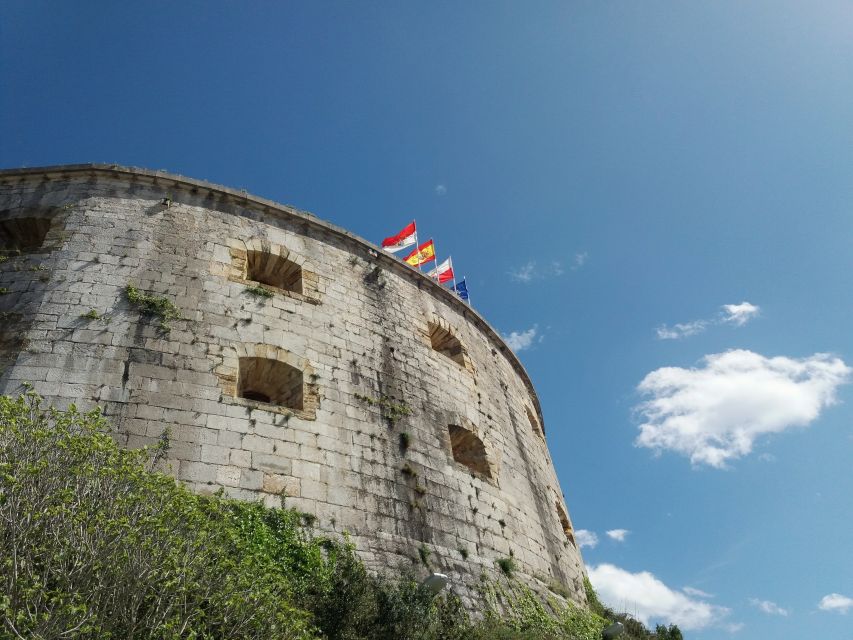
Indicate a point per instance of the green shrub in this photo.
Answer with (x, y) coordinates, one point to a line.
(111, 549)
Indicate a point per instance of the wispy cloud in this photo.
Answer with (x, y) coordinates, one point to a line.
(734, 314)
(768, 607)
(714, 413)
(521, 340)
(524, 273)
(836, 602)
(440, 190)
(681, 330)
(618, 535)
(691, 591)
(650, 599)
(536, 270)
(586, 538)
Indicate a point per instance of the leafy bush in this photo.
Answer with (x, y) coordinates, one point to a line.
(93, 544)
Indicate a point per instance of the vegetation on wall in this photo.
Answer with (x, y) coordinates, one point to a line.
(95, 543)
(159, 307)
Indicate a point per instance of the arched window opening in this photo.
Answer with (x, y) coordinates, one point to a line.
(22, 235)
(564, 522)
(469, 450)
(534, 423)
(443, 341)
(270, 381)
(275, 271)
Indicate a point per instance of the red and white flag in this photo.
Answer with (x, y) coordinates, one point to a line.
(443, 272)
(406, 238)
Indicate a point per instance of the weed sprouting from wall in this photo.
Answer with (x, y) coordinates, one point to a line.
(157, 306)
(424, 552)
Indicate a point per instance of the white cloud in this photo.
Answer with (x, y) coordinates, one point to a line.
(736, 314)
(836, 602)
(521, 340)
(579, 260)
(525, 273)
(768, 607)
(440, 190)
(681, 330)
(740, 314)
(715, 413)
(586, 538)
(690, 591)
(618, 535)
(650, 599)
(532, 270)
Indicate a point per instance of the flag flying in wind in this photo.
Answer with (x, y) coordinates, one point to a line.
(406, 238)
(443, 272)
(462, 290)
(423, 254)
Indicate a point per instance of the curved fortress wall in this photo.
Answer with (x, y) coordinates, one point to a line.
(358, 388)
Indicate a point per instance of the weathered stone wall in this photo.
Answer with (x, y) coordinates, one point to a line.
(359, 328)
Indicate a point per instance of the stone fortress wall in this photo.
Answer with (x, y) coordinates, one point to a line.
(370, 396)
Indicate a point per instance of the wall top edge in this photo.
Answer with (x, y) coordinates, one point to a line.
(58, 172)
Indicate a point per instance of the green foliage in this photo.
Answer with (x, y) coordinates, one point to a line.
(424, 552)
(463, 552)
(4, 291)
(258, 290)
(405, 441)
(515, 612)
(91, 314)
(507, 565)
(672, 632)
(112, 550)
(389, 409)
(559, 588)
(157, 306)
(592, 599)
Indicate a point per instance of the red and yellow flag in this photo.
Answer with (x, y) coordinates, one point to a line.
(423, 254)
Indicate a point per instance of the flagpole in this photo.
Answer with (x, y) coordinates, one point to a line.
(454, 275)
(417, 245)
(465, 280)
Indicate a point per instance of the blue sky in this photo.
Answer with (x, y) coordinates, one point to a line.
(608, 175)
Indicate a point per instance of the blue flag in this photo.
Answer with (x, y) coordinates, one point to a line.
(461, 290)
